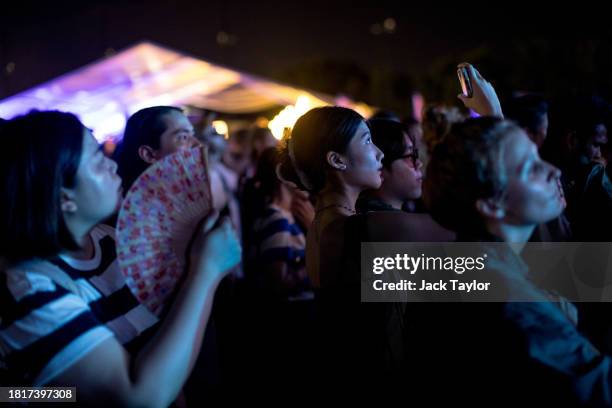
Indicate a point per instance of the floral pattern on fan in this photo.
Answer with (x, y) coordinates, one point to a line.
(156, 222)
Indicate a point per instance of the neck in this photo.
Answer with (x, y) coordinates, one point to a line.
(390, 199)
(515, 235)
(83, 240)
(341, 196)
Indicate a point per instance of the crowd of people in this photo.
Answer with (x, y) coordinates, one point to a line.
(270, 302)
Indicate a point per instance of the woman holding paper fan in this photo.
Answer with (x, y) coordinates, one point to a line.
(67, 316)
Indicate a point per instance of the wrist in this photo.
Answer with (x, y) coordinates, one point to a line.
(205, 273)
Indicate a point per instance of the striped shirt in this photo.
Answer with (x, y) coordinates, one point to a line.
(277, 238)
(46, 326)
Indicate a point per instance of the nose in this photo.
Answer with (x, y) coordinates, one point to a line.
(379, 154)
(418, 164)
(194, 142)
(554, 173)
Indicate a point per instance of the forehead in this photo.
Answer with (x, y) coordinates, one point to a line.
(362, 129)
(517, 148)
(176, 119)
(89, 141)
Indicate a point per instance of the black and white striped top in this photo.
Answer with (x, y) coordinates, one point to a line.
(46, 327)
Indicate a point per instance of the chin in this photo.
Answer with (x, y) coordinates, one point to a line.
(375, 186)
(416, 194)
(552, 215)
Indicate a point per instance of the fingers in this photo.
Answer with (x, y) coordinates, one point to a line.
(210, 221)
(302, 195)
(299, 204)
(474, 73)
(463, 99)
(224, 226)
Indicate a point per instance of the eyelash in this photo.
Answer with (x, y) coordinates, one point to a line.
(184, 135)
(535, 166)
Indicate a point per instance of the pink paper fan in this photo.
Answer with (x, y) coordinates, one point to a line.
(157, 219)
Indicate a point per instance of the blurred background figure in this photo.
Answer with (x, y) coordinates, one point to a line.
(530, 112)
(577, 142)
(437, 122)
(278, 247)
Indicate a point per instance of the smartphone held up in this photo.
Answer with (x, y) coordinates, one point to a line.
(464, 80)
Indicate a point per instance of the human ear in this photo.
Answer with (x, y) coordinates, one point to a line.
(336, 160)
(490, 208)
(67, 202)
(147, 154)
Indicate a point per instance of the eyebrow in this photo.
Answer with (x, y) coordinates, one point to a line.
(524, 164)
(183, 129)
(530, 159)
(366, 133)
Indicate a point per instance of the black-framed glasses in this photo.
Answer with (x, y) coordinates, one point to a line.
(414, 156)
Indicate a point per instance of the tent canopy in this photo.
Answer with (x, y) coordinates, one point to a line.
(103, 94)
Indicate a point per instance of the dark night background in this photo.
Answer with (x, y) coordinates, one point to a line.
(334, 47)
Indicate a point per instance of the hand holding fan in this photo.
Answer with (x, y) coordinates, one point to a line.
(157, 219)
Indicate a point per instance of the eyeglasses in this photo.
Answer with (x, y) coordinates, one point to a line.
(414, 156)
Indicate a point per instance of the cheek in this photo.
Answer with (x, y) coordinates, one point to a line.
(169, 146)
(534, 203)
(365, 156)
(402, 171)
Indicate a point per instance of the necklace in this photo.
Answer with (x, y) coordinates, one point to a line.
(352, 211)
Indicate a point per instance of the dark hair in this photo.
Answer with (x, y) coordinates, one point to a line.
(577, 115)
(385, 115)
(581, 115)
(528, 111)
(266, 181)
(242, 136)
(318, 131)
(388, 136)
(409, 121)
(437, 122)
(465, 167)
(261, 134)
(42, 151)
(144, 128)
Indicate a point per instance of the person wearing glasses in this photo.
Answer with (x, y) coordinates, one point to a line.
(401, 173)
